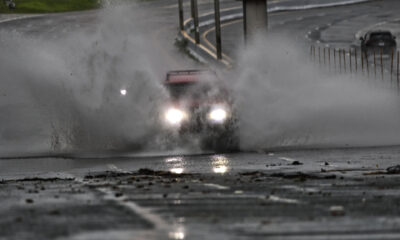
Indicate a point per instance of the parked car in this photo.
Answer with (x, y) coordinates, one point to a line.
(201, 106)
(10, 4)
(378, 41)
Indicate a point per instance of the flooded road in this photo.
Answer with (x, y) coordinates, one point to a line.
(374, 158)
(308, 194)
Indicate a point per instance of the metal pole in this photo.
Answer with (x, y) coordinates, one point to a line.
(180, 4)
(340, 60)
(344, 60)
(218, 29)
(398, 69)
(382, 63)
(355, 58)
(351, 69)
(319, 55)
(195, 16)
(244, 21)
(362, 61)
(329, 58)
(391, 67)
(334, 59)
(374, 64)
(314, 54)
(366, 62)
(311, 52)
(324, 57)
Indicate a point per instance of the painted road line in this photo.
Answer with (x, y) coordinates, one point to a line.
(204, 36)
(204, 48)
(217, 186)
(287, 159)
(145, 213)
(205, 39)
(19, 18)
(274, 198)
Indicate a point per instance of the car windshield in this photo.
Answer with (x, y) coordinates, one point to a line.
(380, 36)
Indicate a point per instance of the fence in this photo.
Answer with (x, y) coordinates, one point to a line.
(372, 63)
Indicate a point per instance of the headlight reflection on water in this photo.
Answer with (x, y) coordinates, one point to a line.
(176, 170)
(176, 164)
(178, 234)
(220, 164)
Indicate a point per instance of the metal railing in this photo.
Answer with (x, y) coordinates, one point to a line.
(373, 63)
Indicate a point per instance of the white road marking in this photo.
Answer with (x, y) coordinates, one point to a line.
(274, 198)
(116, 169)
(300, 189)
(18, 18)
(145, 213)
(287, 159)
(217, 186)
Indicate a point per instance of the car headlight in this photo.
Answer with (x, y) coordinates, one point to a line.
(175, 116)
(218, 115)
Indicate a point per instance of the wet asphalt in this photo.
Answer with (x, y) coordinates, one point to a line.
(289, 194)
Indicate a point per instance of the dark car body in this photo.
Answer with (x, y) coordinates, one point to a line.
(198, 94)
(378, 41)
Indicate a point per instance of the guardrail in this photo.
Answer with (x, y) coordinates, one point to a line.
(374, 63)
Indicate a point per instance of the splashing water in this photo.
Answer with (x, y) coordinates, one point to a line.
(101, 90)
(283, 101)
(65, 94)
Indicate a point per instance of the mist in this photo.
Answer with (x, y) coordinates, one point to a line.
(283, 100)
(64, 94)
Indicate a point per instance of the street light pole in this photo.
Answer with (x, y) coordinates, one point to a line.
(218, 29)
(180, 4)
(195, 17)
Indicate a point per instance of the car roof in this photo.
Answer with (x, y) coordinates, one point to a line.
(186, 76)
(379, 32)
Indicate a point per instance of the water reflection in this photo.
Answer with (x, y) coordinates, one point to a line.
(175, 164)
(220, 164)
(178, 233)
(176, 170)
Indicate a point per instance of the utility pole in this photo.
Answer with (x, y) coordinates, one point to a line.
(195, 17)
(180, 4)
(218, 29)
(255, 18)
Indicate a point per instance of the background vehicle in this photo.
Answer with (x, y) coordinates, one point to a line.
(377, 41)
(200, 105)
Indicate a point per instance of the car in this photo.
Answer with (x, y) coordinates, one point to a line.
(200, 105)
(379, 40)
(10, 4)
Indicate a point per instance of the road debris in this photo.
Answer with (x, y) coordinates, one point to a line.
(296, 163)
(303, 176)
(337, 211)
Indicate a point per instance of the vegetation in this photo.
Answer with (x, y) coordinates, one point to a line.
(49, 6)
